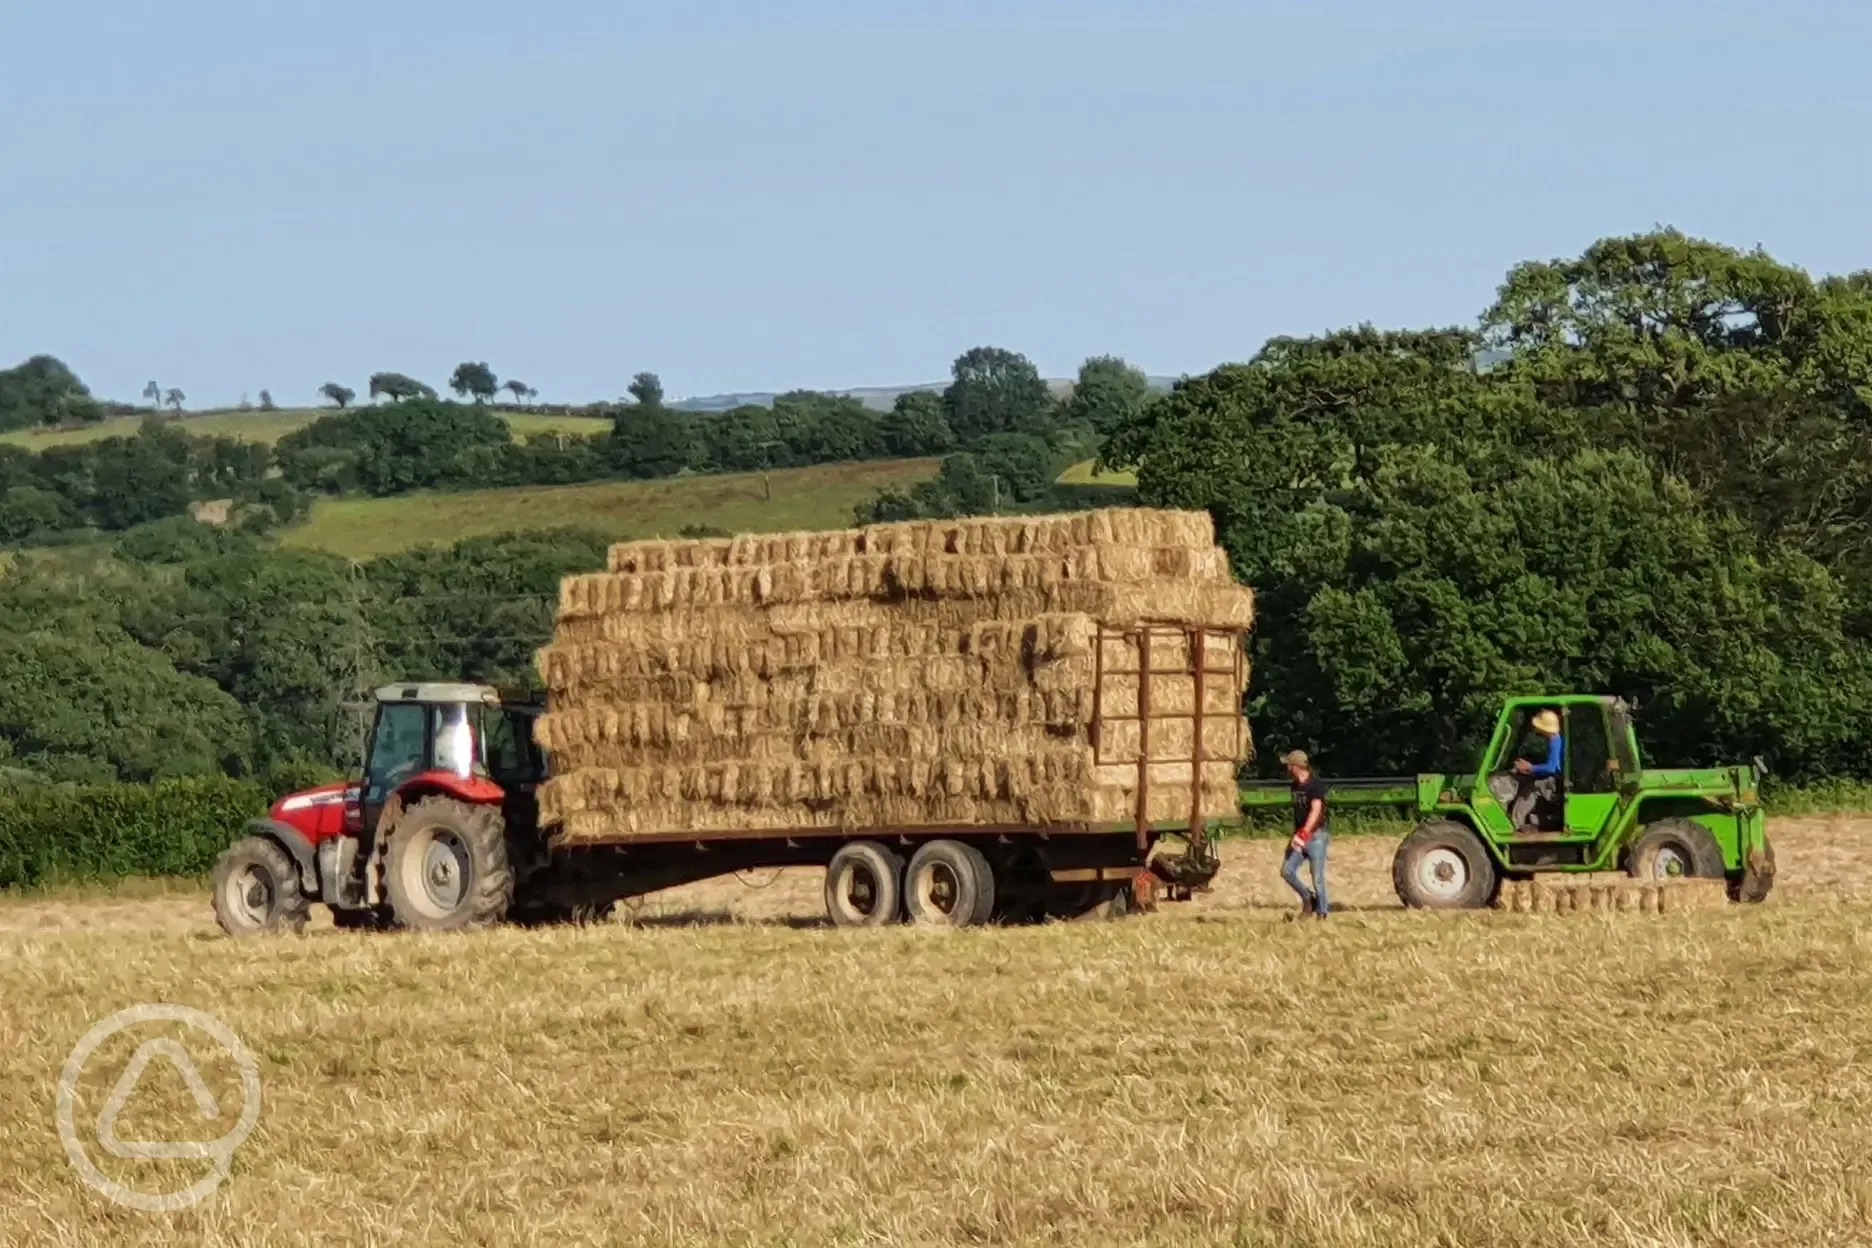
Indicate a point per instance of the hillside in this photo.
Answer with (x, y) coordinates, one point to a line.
(267, 427)
(820, 497)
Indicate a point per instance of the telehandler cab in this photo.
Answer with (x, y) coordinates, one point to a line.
(1611, 813)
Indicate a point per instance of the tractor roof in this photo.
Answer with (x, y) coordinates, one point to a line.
(438, 691)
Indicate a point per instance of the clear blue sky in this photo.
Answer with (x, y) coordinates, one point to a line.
(226, 195)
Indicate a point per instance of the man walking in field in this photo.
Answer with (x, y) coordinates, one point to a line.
(1311, 834)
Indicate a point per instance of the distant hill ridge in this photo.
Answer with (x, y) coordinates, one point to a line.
(878, 397)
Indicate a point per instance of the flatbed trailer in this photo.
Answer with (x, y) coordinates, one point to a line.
(443, 828)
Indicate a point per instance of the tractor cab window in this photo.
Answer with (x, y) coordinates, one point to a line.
(455, 748)
(508, 750)
(399, 748)
(1589, 752)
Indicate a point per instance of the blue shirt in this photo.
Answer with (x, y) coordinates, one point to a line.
(1551, 767)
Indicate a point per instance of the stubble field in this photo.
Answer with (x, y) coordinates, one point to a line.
(717, 1068)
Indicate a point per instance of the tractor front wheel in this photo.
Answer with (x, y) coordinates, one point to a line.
(256, 889)
(1673, 849)
(447, 868)
(1443, 866)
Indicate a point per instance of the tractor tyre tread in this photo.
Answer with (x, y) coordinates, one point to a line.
(291, 908)
(483, 833)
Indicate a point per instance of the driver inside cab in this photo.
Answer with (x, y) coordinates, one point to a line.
(1540, 781)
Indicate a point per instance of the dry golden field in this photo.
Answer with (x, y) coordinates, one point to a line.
(723, 1070)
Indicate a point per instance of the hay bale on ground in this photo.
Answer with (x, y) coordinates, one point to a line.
(972, 671)
(1609, 894)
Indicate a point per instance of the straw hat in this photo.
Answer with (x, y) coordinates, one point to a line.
(1294, 758)
(1547, 722)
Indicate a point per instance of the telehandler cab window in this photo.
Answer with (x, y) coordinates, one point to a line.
(399, 748)
(1588, 752)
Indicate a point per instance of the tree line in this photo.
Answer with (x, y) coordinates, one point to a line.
(1647, 471)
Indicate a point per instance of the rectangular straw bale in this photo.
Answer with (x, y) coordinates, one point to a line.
(1120, 741)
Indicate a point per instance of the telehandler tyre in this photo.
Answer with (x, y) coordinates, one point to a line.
(256, 889)
(1673, 849)
(447, 866)
(1443, 866)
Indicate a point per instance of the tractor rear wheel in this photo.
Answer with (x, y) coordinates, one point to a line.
(1443, 866)
(949, 884)
(256, 889)
(447, 867)
(1673, 849)
(864, 886)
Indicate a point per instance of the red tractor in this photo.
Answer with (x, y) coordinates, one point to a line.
(432, 835)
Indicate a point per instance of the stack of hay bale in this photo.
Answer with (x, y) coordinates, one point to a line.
(924, 673)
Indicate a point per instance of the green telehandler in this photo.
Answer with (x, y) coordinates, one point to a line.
(1609, 812)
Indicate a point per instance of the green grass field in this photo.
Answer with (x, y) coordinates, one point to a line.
(1082, 473)
(802, 498)
(267, 427)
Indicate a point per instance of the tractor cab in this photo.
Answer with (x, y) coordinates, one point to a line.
(458, 737)
(1598, 751)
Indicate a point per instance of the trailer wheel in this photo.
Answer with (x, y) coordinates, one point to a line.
(1443, 866)
(949, 884)
(447, 866)
(1674, 849)
(257, 889)
(864, 886)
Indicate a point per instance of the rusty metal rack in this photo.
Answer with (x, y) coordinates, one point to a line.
(1200, 645)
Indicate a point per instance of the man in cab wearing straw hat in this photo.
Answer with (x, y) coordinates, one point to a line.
(1540, 782)
(1311, 834)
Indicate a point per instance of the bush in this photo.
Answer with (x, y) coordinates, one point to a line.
(106, 832)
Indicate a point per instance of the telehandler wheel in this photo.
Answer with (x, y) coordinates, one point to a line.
(864, 886)
(1674, 849)
(1443, 866)
(1752, 884)
(447, 866)
(949, 884)
(256, 889)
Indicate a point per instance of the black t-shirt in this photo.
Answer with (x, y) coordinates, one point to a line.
(1305, 793)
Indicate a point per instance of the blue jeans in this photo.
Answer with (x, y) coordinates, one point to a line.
(1314, 853)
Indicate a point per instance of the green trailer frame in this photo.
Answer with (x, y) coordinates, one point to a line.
(1609, 801)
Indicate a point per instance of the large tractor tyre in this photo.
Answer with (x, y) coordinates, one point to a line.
(1444, 866)
(949, 884)
(864, 886)
(447, 868)
(1752, 884)
(1673, 849)
(257, 889)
